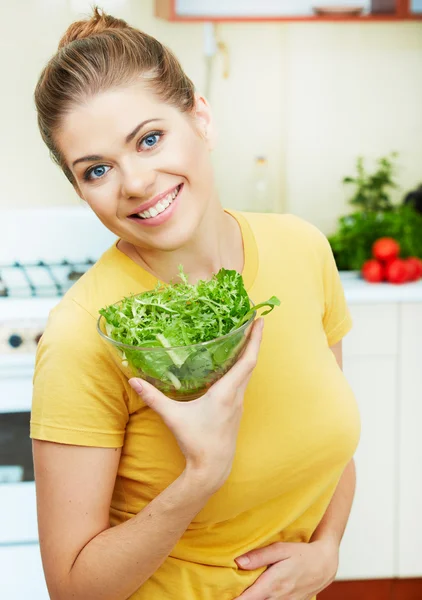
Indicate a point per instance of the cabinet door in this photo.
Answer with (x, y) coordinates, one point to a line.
(410, 447)
(370, 365)
(21, 573)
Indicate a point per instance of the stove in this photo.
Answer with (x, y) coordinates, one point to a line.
(22, 323)
(42, 253)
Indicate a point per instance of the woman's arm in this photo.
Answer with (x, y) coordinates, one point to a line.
(82, 556)
(334, 521)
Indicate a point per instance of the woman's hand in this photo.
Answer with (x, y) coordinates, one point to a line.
(206, 428)
(296, 571)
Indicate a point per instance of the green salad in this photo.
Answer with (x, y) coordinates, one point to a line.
(178, 319)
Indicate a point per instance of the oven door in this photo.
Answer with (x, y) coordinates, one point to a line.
(18, 520)
(21, 573)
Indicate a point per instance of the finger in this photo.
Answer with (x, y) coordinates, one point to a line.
(243, 368)
(261, 589)
(151, 396)
(262, 557)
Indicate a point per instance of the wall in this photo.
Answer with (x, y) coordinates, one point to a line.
(309, 96)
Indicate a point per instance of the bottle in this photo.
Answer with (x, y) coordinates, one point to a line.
(261, 201)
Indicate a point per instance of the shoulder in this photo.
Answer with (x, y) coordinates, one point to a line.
(71, 330)
(281, 222)
(72, 358)
(80, 395)
(70, 340)
(68, 320)
(287, 231)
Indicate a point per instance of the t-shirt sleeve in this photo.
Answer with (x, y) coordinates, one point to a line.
(79, 394)
(336, 317)
(337, 320)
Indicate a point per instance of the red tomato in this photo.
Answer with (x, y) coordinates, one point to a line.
(397, 271)
(414, 268)
(373, 271)
(385, 249)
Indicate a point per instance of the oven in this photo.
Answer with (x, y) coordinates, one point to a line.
(43, 252)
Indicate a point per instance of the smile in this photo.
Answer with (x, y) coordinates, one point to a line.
(160, 210)
(160, 207)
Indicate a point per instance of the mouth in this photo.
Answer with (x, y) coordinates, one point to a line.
(161, 206)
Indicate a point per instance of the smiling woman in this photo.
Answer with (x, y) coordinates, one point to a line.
(139, 496)
(123, 167)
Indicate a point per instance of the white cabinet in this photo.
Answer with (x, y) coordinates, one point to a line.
(382, 362)
(21, 574)
(409, 429)
(370, 365)
(368, 549)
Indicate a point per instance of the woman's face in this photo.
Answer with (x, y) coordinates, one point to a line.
(129, 152)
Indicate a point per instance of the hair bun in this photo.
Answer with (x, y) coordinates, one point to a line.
(97, 23)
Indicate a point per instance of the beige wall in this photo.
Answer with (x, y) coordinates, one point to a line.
(311, 97)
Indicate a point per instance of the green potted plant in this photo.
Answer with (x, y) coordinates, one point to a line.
(378, 217)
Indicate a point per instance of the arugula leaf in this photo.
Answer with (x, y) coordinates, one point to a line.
(272, 303)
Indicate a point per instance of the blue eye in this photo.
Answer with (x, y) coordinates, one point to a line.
(151, 139)
(98, 171)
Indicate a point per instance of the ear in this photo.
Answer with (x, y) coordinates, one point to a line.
(204, 121)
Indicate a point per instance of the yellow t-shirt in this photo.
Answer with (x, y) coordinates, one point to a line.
(299, 429)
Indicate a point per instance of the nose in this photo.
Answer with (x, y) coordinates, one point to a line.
(137, 179)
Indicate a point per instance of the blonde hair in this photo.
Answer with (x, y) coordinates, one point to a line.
(98, 54)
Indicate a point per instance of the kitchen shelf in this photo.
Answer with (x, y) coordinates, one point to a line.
(166, 9)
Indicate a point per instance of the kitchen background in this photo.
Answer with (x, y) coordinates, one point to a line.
(306, 96)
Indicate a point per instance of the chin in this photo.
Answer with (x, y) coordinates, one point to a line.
(178, 234)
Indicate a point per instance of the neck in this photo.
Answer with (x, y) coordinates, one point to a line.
(216, 244)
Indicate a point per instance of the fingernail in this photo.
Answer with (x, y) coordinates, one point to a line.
(135, 385)
(243, 561)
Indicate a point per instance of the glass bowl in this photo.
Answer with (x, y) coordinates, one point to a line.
(181, 372)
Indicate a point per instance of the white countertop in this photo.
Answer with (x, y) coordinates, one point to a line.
(359, 291)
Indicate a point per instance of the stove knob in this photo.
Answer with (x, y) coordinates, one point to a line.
(15, 340)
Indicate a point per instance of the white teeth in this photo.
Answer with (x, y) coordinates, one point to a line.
(160, 206)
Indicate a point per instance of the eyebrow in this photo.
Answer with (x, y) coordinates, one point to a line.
(128, 139)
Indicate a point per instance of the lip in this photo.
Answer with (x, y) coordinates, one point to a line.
(153, 201)
(161, 217)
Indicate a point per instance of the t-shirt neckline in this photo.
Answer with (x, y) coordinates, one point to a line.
(250, 252)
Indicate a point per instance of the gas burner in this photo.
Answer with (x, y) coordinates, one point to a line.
(74, 275)
(41, 279)
(3, 290)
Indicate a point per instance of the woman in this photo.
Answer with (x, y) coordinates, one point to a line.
(139, 496)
